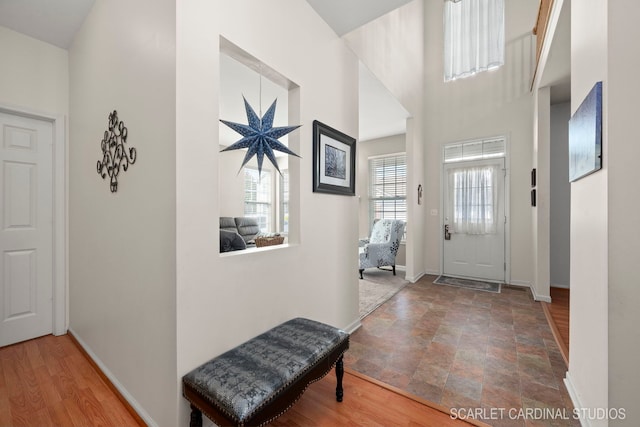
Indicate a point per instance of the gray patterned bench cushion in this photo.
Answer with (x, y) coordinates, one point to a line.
(258, 380)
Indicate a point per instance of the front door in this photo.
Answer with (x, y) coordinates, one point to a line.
(474, 219)
(26, 228)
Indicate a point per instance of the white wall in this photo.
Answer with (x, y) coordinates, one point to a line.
(622, 92)
(122, 245)
(371, 148)
(540, 214)
(488, 104)
(588, 342)
(392, 48)
(34, 74)
(560, 206)
(223, 301)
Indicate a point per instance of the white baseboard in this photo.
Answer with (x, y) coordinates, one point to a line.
(353, 326)
(415, 278)
(522, 283)
(117, 384)
(543, 298)
(432, 272)
(574, 398)
(560, 286)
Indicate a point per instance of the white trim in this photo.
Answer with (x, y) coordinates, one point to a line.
(355, 325)
(414, 279)
(60, 218)
(507, 200)
(574, 399)
(559, 286)
(543, 298)
(117, 384)
(552, 25)
(379, 156)
(521, 283)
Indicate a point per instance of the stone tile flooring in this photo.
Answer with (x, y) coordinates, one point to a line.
(467, 350)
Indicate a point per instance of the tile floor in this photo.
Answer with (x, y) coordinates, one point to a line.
(467, 349)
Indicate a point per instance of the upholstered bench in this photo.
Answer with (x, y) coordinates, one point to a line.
(257, 381)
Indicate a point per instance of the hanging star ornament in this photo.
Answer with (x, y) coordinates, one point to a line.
(260, 137)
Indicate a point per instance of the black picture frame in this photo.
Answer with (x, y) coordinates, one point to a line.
(533, 197)
(334, 161)
(533, 177)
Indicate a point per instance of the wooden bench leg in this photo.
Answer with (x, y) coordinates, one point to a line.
(339, 375)
(196, 417)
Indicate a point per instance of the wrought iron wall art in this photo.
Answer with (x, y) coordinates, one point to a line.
(114, 152)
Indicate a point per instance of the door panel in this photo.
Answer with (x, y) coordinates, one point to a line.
(479, 256)
(26, 237)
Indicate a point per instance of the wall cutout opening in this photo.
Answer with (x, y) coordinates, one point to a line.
(258, 209)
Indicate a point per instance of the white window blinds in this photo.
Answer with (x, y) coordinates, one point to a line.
(473, 37)
(388, 187)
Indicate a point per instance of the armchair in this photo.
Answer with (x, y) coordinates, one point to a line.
(382, 247)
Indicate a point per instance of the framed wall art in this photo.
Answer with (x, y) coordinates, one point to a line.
(334, 161)
(585, 136)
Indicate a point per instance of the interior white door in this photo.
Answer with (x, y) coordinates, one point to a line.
(26, 236)
(474, 220)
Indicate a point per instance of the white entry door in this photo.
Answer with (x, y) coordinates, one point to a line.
(474, 219)
(26, 236)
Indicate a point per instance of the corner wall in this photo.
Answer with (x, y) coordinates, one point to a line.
(375, 147)
(588, 322)
(122, 245)
(623, 201)
(489, 104)
(392, 48)
(34, 74)
(225, 300)
(560, 204)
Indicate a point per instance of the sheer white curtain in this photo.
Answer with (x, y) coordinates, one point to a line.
(473, 37)
(473, 199)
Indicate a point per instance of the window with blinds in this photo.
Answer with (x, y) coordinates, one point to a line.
(388, 187)
(284, 202)
(257, 197)
(475, 150)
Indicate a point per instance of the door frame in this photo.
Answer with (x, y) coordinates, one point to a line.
(60, 219)
(507, 201)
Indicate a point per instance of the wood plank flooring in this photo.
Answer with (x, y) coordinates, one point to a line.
(557, 314)
(49, 381)
(367, 402)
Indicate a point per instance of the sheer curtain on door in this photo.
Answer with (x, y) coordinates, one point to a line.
(473, 199)
(473, 37)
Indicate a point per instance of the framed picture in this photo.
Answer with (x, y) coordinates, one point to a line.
(533, 197)
(585, 136)
(334, 161)
(533, 177)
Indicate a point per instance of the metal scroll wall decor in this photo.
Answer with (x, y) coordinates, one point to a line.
(114, 152)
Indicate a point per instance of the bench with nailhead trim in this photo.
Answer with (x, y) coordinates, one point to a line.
(259, 380)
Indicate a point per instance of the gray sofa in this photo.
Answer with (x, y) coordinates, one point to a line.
(237, 233)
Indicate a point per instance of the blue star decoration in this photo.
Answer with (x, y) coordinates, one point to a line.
(260, 137)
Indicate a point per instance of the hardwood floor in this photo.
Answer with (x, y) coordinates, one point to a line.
(49, 381)
(367, 402)
(557, 314)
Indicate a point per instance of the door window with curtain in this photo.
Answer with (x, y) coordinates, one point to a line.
(388, 187)
(473, 202)
(473, 37)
